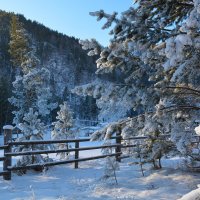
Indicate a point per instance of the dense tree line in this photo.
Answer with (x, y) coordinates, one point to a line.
(61, 55)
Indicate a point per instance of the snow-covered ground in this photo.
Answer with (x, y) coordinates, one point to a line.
(66, 183)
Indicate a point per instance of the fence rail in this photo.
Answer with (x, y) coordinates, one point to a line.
(32, 166)
(3, 147)
(59, 150)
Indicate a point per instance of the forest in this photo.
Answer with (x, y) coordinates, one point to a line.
(63, 56)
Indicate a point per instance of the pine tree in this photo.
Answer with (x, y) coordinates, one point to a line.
(62, 127)
(5, 106)
(31, 94)
(19, 39)
(32, 129)
(30, 88)
(155, 49)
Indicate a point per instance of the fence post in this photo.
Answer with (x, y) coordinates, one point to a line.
(8, 159)
(118, 148)
(76, 154)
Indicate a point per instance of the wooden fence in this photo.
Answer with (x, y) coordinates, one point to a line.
(9, 143)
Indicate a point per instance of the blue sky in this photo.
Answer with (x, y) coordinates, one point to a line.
(70, 17)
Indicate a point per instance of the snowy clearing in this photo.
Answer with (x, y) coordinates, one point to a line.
(66, 183)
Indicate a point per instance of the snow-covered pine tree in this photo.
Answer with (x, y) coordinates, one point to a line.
(30, 89)
(181, 80)
(32, 129)
(61, 129)
(155, 50)
(31, 93)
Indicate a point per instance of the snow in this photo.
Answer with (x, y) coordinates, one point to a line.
(193, 195)
(65, 183)
(178, 72)
(8, 127)
(197, 130)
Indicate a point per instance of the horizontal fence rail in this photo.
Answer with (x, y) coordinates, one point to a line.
(32, 166)
(32, 142)
(59, 150)
(4, 173)
(3, 147)
(2, 158)
(66, 150)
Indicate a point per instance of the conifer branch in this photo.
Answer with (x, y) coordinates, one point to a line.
(184, 88)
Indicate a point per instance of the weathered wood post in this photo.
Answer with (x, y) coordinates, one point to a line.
(76, 154)
(118, 148)
(8, 159)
